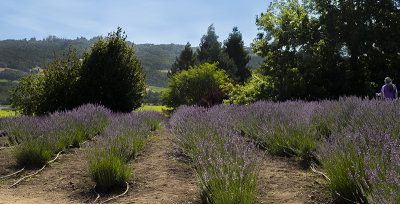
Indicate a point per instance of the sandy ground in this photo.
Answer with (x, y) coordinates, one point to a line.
(157, 178)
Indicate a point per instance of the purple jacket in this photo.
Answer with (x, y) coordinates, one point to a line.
(388, 94)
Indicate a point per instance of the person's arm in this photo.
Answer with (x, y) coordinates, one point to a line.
(382, 96)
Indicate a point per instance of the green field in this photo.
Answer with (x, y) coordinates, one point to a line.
(6, 113)
(153, 108)
(157, 89)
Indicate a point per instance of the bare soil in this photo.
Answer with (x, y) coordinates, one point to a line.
(157, 178)
(282, 180)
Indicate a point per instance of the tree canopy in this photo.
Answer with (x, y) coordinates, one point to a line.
(317, 49)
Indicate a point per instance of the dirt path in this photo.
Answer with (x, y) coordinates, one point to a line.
(159, 178)
(283, 181)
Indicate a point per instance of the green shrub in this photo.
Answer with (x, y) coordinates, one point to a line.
(188, 87)
(258, 88)
(27, 96)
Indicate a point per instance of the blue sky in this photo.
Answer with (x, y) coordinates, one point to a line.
(144, 21)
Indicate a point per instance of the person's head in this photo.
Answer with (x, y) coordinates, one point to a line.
(388, 80)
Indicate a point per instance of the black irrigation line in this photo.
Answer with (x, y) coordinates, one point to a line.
(30, 175)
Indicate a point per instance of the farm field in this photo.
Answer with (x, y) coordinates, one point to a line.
(6, 112)
(160, 173)
(266, 152)
(159, 177)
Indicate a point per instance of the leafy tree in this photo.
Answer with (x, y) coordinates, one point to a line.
(60, 83)
(111, 74)
(184, 62)
(27, 96)
(188, 87)
(319, 49)
(234, 47)
(52, 90)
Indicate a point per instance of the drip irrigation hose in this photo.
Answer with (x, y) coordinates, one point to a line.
(90, 139)
(127, 188)
(98, 195)
(30, 175)
(319, 172)
(12, 173)
(1, 148)
(327, 178)
(51, 161)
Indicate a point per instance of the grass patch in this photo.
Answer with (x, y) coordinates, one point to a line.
(157, 89)
(153, 108)
(6, 113)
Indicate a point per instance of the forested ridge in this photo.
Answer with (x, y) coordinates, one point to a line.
(26, 54)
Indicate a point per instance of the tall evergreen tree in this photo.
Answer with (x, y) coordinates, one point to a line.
(234, 47)
(210, 51)
(185, 60)
(111, 74)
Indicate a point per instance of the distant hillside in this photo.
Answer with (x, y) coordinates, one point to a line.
(26, 56)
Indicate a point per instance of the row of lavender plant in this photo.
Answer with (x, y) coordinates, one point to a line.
(356, 141)
(37, 139)
(120, 142)
(226, 164)
(362, 153)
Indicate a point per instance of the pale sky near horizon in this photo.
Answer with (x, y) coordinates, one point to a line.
(144, 21)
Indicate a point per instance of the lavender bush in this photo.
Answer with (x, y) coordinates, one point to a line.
(361, 156)
(226, 164)
(282, 129)
(37, 139)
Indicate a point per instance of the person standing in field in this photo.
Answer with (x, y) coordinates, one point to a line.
(389, 90)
